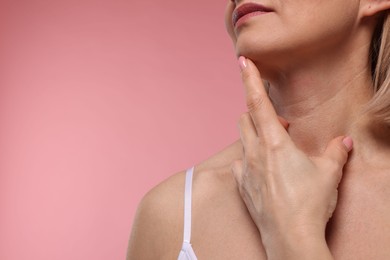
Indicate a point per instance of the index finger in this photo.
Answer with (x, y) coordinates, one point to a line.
(259, 105)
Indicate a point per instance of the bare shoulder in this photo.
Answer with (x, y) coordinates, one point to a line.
(158, 226)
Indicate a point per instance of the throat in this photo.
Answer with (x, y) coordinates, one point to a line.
(318, 113)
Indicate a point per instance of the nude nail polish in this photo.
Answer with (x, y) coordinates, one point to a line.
(242, 62)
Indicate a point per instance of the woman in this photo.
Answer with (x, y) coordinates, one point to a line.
(318, 57)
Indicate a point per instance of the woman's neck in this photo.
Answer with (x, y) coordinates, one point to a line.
(323, 100)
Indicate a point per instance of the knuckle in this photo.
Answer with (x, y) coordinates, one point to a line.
(236, 165)
(275, 144)
(333, 164)
(251, 160)
(243, 118)
(254, 101)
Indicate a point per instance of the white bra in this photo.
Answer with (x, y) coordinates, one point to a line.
(186, 252)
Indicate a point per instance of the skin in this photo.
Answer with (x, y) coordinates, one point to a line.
(319, 82)
(288, 194)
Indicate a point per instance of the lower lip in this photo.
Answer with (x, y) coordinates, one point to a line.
(244, 18)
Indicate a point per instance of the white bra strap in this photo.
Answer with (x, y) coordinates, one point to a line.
(187, 205)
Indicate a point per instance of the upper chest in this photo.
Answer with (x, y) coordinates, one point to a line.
(359, 229)
(360, 226)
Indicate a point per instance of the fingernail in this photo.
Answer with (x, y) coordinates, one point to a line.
(242, 62)
(347, 141)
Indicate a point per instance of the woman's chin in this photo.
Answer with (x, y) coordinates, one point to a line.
(254, 51)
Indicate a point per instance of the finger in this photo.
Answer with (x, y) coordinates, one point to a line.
(247, 129)
(338, 149)
(260, 107)
(237, 169)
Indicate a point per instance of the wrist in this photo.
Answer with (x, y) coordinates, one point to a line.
(296, 245)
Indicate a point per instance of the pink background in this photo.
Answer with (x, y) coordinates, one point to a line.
(99, 102)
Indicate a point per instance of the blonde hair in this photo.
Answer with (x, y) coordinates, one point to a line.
(379, 106)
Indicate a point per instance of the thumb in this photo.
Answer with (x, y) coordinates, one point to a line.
(338, 149)
(237, 170)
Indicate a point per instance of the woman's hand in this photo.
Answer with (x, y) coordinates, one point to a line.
(289, 195)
